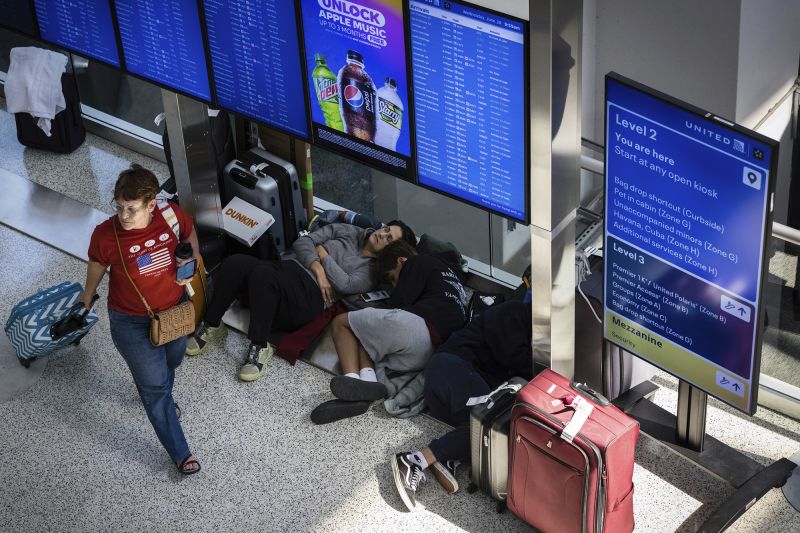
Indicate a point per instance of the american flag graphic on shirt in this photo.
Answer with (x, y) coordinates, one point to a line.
(153, 261)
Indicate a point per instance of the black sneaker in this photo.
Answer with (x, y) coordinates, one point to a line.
(407, 476)
(334, 410)
(352, 389)
(445, 474)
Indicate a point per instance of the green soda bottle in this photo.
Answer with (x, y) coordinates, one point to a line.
(327, 90)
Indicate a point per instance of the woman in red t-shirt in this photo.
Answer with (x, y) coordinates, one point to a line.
(145, 239)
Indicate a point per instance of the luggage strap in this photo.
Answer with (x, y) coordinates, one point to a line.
(162, 201)
(583, 408)
(258, 167)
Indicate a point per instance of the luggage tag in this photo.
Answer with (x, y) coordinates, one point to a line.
(583, 408)
(477, 400)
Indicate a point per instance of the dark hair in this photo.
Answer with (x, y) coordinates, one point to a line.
(408, 233)
(136, 183)
(387, 258)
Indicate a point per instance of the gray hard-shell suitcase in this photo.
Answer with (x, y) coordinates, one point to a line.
(489, 423)
(603, 366)
(269, 183)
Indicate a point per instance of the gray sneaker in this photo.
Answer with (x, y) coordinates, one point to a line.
(205, 335)
(258, 357)
(407, 477)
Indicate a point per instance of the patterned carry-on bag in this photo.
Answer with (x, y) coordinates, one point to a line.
(571, 459)
(50, 320)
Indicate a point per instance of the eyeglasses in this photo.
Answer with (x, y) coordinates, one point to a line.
(129, 211)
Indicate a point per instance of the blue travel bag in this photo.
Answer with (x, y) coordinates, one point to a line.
(48, 321)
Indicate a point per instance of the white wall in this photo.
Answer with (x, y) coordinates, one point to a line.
(686, 48)
(769, 50)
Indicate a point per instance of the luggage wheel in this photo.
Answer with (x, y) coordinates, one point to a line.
(25, 362)
(501, 507)
(471, 488)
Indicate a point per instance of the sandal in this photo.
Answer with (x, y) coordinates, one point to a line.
(183, 466)
(178, 411)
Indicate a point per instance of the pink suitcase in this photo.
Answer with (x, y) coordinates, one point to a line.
(571, 459)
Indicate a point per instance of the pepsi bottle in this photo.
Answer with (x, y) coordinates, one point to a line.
(357, 98)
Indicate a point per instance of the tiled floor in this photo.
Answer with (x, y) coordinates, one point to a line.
(77, 453)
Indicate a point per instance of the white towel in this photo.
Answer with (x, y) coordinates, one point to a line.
(33, 84)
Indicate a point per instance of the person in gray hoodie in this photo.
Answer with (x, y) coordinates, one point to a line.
(333, 261)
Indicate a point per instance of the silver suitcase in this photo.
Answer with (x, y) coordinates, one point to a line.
(489, 424)
(269, 183)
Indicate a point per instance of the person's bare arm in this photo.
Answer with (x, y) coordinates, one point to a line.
(94, 275)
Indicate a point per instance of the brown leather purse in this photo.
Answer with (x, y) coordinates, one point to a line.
(166, 325)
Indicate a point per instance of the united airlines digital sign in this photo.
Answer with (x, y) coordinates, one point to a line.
(688, 208)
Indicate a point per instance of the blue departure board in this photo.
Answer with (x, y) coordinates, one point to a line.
(17, 15)
(687, 215)
(255, 56)
(83, 26)
(469, 75)
(162, 41)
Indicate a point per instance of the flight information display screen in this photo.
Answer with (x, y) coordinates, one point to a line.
(687, 214)
(83, 26)
(255, 56)
(162, 42)
(17, 15)
(469, 73)
(358, 80)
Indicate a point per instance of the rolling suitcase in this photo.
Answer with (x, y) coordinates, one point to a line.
(488, 424)
(269, 183)
(571, 459)
(66, 130)
(49, 320)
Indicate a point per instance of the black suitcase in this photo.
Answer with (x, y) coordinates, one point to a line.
(489, 424)
(269, 183)
(603, 366)
(66, 130)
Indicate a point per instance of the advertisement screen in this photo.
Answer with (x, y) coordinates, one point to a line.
(162, 42)
(687, 214)
(83, 26)
(357, 79)
(469, 72)
(17, 15)
(255, 56)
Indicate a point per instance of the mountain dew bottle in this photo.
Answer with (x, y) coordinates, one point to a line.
(327, 90)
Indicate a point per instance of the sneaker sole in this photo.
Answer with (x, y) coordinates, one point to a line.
(334, 410)
(401, 489)
(192, 353)
(444, 477)
(351, 389)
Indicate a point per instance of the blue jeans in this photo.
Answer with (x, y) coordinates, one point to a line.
(449, 382)
(153, 370)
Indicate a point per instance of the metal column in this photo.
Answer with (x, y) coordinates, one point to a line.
(193, 162)
(555, 116)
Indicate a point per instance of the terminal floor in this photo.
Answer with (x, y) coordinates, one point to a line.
(79, 455)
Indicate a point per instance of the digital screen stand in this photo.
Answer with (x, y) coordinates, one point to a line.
(687, 218)
(687, 214)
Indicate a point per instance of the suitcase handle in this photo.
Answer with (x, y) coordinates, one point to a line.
(73, 321)
(584, 389)
(243, 178)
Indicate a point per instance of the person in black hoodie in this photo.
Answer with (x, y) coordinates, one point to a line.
(491, 349)
(382, 347)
